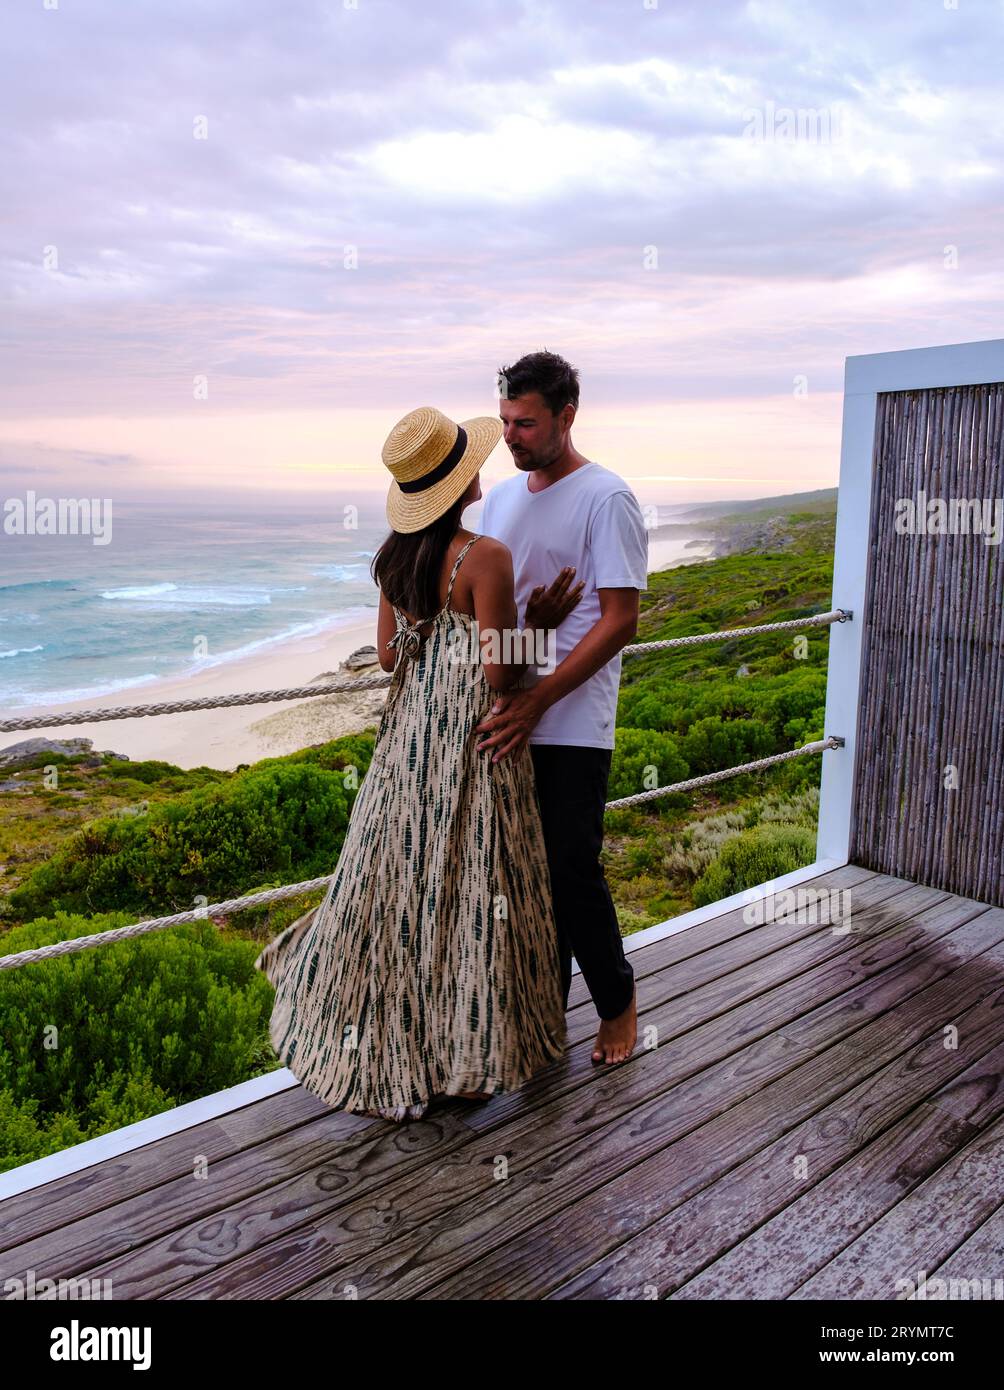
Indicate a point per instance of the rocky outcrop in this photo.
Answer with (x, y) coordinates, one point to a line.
(17, 754)
(359, 662)
(360, 659)
(762, 534)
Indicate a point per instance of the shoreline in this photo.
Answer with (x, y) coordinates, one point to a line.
(233, 734)
(225, 738)
(672, 545)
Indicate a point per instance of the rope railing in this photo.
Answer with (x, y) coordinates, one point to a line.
(292, 890)
(300, 692)
(819, 746)
(835, 615)
(253, 697)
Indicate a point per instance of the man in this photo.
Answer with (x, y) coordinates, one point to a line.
(563, 509)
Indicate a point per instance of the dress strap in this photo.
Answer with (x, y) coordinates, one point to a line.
(456, 566)
(407, 637)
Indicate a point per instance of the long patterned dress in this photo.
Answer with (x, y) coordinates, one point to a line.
(431, 966)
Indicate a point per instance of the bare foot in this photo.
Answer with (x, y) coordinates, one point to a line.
(616, 1038)
(472, 1095)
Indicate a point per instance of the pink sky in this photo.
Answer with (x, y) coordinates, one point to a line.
(331, 215)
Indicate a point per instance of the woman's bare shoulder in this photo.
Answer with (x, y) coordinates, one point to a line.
(486, 565)
(488, 552)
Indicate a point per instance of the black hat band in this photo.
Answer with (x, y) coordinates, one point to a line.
(442, 469)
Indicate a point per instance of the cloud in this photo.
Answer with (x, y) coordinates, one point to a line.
(392, 199)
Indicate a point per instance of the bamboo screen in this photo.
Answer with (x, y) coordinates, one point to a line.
(929, 775)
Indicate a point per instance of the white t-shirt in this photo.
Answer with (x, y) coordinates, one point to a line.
(590, 519)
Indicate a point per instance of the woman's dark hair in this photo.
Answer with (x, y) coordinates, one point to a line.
(408, 565)
(545, 372)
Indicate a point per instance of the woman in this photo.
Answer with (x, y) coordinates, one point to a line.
(431, 967)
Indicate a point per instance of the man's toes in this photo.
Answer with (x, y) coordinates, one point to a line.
(611, 1051)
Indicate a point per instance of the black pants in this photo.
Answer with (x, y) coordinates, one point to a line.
(571, 793)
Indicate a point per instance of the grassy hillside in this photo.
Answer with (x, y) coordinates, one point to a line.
(822, 501)
(723, 704)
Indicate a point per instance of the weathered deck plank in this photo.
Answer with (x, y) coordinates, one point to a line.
(57, 1204)
(673, 1175)
(922, 1230)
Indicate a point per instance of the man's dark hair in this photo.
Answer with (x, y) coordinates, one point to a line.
(545, 372)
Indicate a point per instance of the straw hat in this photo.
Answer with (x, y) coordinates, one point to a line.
(433, 461)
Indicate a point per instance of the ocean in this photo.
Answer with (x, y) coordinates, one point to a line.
(175, 591)
(178, 589)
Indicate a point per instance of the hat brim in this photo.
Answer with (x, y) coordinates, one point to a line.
(412, 511)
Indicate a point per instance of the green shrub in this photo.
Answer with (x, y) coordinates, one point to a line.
(95, 1040)
(279, 821)
(694, 848)
(715, 743)
(149, 771)
(350, 750)
(24, 1136)
(800, 808)
(643, 708)
(642, 760)
(753, 857)
(628, 920)
(798, 697)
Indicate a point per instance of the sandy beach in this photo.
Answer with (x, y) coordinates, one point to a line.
(677, 545)
(226, 737)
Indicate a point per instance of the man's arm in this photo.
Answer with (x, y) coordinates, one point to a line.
(618, 624)
(618, 540)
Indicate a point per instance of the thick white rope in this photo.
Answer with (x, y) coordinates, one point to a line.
(835, 615)
(291, 890)
(300, 692)
(253, 697)
(834, 741)
(82, 943)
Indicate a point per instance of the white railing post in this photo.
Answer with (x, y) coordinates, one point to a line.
(843, 675)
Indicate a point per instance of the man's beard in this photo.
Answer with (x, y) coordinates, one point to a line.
(528, 462)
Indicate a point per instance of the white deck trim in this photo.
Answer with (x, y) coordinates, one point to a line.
(143, 1132)
(196, 1112)
(843, 672)
(694, 918)
(916, 369)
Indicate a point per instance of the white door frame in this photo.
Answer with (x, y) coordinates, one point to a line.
(958, 364)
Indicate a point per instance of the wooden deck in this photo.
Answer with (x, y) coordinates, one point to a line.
(801, 1120)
